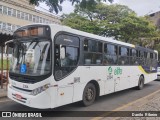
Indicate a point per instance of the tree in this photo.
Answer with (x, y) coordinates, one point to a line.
(81, 23)
(134, 29)
(116, 21)
(103, 17)
(55, 5)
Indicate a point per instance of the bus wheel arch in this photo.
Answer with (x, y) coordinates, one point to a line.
(141, 82)
(91, 88)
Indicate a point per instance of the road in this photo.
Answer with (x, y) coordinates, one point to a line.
(105, 103)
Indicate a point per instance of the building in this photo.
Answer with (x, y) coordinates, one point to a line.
(16, 13)
(155, 18)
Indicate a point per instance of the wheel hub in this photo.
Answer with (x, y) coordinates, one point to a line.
(89, 94)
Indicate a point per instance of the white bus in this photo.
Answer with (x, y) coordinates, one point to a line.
(54, 65)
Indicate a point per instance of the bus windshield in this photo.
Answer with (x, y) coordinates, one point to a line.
(31, 57)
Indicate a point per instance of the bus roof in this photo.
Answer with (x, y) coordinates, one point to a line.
(90, 35)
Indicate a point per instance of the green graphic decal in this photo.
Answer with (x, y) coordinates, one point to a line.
(110, 70)
(118, 71)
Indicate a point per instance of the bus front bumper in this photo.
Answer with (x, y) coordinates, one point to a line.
(41, 101)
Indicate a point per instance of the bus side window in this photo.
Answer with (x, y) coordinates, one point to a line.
(123, 56)
(133, 60)
(85, 45)
(110, 54)
(92, 52)
(66, 55)
(148, 59)
(137, 58)
(141, 60)
(145, 58)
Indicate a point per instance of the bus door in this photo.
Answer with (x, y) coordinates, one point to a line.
(62, 69)
(65, 60)
(64, 92)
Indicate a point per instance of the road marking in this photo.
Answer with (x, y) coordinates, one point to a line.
(124, 106)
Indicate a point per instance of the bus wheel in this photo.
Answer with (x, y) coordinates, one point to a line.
(89, 94)
(140, 83)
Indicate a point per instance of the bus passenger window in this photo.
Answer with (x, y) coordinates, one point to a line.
(110, 54)
(85, 45)
(134, 60)
(123, 56)
(92, 59)
(87, 61)
(92, 52)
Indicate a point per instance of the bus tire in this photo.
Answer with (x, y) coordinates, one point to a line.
(89, 94)
(140, 83)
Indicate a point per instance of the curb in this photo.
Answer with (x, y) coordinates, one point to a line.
(3, 95)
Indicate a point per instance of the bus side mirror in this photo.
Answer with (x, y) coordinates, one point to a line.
(7, 45)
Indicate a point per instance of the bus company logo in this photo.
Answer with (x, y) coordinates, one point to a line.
(118, 71)
(110, 70)
(110, 75)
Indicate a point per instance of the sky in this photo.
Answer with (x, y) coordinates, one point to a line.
(141, 7)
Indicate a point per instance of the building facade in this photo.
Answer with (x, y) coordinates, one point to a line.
(16, 13)
(155, 18)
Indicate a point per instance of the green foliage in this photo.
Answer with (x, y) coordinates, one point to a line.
(81, 23)
(4, 64)
(55, 5)
(114, 20)
(132, 29)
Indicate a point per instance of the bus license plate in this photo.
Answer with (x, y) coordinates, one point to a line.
(18, 96)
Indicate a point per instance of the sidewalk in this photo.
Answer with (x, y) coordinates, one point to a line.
(3, 92)
(148, 104)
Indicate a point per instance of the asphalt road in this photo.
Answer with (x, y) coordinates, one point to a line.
(104, 103)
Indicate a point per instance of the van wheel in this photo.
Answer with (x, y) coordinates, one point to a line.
(140, 83)
(89, 94)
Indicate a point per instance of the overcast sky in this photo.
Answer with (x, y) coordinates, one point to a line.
(141, 7)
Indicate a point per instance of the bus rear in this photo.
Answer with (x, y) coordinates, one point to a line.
(30, 68)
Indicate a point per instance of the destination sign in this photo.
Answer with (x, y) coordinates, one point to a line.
(32, 31)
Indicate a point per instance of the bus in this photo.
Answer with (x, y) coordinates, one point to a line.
(54, 65)
(158, 71)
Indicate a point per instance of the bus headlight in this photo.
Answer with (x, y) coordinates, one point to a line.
(39, 89)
